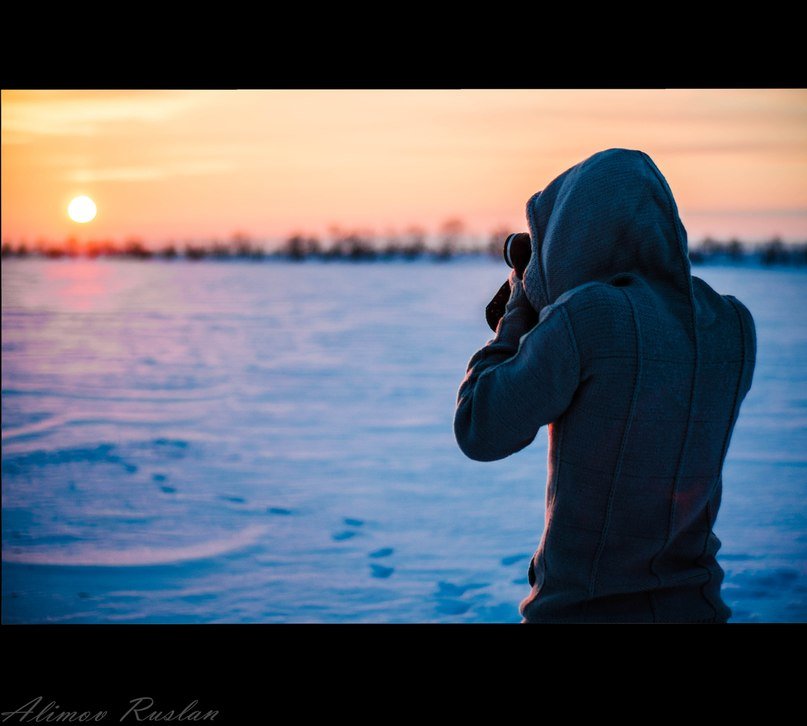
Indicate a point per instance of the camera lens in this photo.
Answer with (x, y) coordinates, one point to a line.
(517, 251)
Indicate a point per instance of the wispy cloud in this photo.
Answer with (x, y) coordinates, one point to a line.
(788, 212)
(147, 173)
(732, 147)
(27, 115)
(207, 162)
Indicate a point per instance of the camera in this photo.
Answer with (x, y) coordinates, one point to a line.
(516, 252)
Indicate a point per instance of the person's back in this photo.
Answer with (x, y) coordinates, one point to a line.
(639, 369)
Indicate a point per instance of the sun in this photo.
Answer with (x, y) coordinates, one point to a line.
(82, 209)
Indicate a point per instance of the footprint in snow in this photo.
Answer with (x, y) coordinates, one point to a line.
(381, 572)
(449, 589)
(383, 552)
(453, 607)
(512, 559)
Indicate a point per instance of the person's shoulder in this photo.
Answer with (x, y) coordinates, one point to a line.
(741, 306)
(596, 298)
(721, 304)
(749, 326)
(597, 312)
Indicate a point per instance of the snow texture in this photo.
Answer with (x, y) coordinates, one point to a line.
(272, 442)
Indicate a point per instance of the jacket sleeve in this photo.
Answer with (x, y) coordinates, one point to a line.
(522, 379)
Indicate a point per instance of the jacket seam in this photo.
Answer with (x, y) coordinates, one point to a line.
(539, 248)
(682, 249)
(617, 469)
(573, 338)
(541, 557)
(681, 454)
(724, 449)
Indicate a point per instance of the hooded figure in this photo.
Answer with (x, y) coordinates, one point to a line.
(639, 369)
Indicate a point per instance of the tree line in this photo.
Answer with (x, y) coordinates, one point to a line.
(357, 246)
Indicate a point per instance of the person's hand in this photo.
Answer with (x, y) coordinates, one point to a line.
(519, 302)
(518, 297)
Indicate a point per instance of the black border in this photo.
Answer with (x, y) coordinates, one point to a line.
(251, 672)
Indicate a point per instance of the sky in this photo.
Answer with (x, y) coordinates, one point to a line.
(201, 165)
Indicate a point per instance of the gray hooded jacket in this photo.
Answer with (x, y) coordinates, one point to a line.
(639, 369)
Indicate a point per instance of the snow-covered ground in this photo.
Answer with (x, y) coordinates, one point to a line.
(272, 442)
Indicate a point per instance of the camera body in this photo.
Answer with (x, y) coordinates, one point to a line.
(517, 251)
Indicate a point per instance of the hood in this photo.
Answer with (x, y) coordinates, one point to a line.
(610, 214)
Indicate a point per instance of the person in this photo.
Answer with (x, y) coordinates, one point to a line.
(638, 369)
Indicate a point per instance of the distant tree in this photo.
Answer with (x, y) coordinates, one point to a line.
(242, 246)
(195, 252)
(709, 246)
(136, 249)
(449, 236)
(219, 250)
(294, 248)
(108, 247)
(72, 248)
(414, 242)
(496, 242)
(472, 246)
(360, 247)
(333, 250)
(735, 249)
(392, 246)
(169, 251)
(773, 252)
(313, 247)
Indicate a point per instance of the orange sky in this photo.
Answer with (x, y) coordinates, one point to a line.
(204, 164)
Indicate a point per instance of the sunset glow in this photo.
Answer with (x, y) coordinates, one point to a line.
(82, 210)
(180, 165)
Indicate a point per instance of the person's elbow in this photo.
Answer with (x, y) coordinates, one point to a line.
(480, 444)
(476, 448)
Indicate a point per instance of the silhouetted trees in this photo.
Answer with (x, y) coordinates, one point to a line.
(299, 247)
(391, 247)
(414, 243)
(496, 242)
(735, 250)
(135, 248)
(773, 252)
(449, 242)
(244, 248)
(450, 233)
